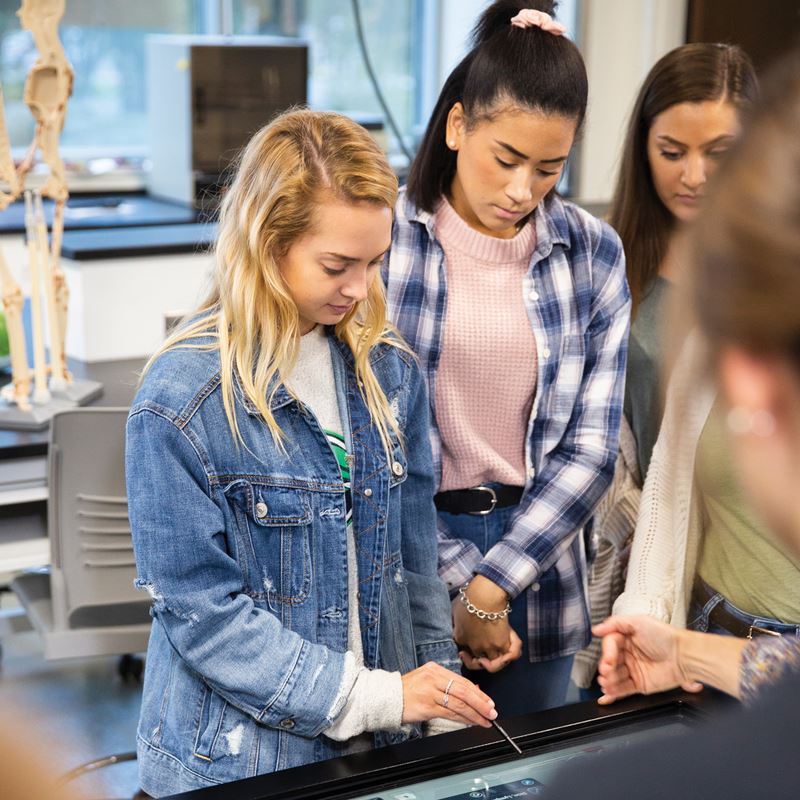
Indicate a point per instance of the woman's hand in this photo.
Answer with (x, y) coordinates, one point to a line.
(484, 644)
(494, 664)
(640, 655)
(428, 688)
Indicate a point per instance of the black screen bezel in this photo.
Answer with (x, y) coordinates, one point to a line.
(419, 760)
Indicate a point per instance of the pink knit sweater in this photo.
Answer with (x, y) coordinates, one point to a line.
(487, 372)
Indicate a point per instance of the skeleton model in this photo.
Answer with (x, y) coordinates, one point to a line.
(47, 89)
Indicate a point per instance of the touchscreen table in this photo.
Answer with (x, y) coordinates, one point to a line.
(476, 763)
(528, 776)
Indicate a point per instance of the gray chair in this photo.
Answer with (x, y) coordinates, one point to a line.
(87, 604)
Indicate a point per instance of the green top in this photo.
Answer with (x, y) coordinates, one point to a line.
(337, 443)
(739, 557)
(644, 397)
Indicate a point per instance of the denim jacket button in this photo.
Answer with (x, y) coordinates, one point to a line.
(367, 492)
(397, 468)
(287, 724)
(261, 510)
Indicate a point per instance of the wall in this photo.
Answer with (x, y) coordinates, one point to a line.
(117, 306)
(457, 20)
(621, 40)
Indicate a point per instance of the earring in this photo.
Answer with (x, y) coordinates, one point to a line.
(451, 144)
(760, 423)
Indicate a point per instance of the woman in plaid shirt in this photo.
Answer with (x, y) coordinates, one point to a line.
(516, 303)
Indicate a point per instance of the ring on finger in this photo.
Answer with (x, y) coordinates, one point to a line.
(446, 699)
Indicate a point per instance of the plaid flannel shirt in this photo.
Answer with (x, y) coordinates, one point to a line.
(578, 303)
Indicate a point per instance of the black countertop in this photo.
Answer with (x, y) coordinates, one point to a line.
(104, 211)
(146, 240)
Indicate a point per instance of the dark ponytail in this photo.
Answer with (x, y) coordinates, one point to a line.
(528, 67)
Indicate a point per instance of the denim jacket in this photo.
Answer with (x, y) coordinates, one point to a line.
(243, 551)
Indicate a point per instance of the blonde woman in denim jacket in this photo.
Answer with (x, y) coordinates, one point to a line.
(280, 487)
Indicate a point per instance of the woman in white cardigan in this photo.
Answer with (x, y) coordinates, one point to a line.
(669, 527)
(701, 558)
(747, 295)
(747, 290)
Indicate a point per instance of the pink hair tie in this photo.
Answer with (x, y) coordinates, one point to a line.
(530, 18)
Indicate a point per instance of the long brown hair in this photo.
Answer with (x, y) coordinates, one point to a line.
(691, 73)
(746, 247)
(285, 170)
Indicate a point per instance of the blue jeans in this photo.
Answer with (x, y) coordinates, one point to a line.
(698, 617)
(524, 686)
(594, 692)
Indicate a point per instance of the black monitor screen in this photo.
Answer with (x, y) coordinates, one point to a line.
(528, 776)
(476, 763)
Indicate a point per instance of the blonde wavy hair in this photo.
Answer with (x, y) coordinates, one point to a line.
(287, 168)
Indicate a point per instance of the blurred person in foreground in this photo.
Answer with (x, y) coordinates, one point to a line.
(745, 290)
(26, 765)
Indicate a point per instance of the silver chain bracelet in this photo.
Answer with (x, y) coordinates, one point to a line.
(490, 616)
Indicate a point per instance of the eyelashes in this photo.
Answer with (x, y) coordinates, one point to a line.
(507, 165)
(333, 271)
(672, 155)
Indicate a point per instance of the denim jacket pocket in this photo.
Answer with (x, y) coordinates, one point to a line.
(209, 724)
(227, 744)
(275, 524)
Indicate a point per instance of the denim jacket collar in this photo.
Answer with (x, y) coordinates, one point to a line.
(282, 397)
(279, 399)
(377, 352)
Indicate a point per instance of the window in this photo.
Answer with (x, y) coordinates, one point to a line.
(105, 42)
(339, 80)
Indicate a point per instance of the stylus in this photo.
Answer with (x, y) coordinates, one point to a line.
(507, 737)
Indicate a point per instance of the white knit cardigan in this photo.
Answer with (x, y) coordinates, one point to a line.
(614, 522)
(670, 523)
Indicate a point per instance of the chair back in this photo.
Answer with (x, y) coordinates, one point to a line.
(93, 566)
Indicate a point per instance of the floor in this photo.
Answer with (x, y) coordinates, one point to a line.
(78, 710)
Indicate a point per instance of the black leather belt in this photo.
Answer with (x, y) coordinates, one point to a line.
(479, 500)
(702, 593)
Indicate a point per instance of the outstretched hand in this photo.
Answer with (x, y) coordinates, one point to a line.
(640, 655)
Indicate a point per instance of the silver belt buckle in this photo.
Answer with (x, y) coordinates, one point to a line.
(494, 501)
(761, 631)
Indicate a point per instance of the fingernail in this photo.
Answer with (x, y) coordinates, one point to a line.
(491, 702)
(493, 714)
